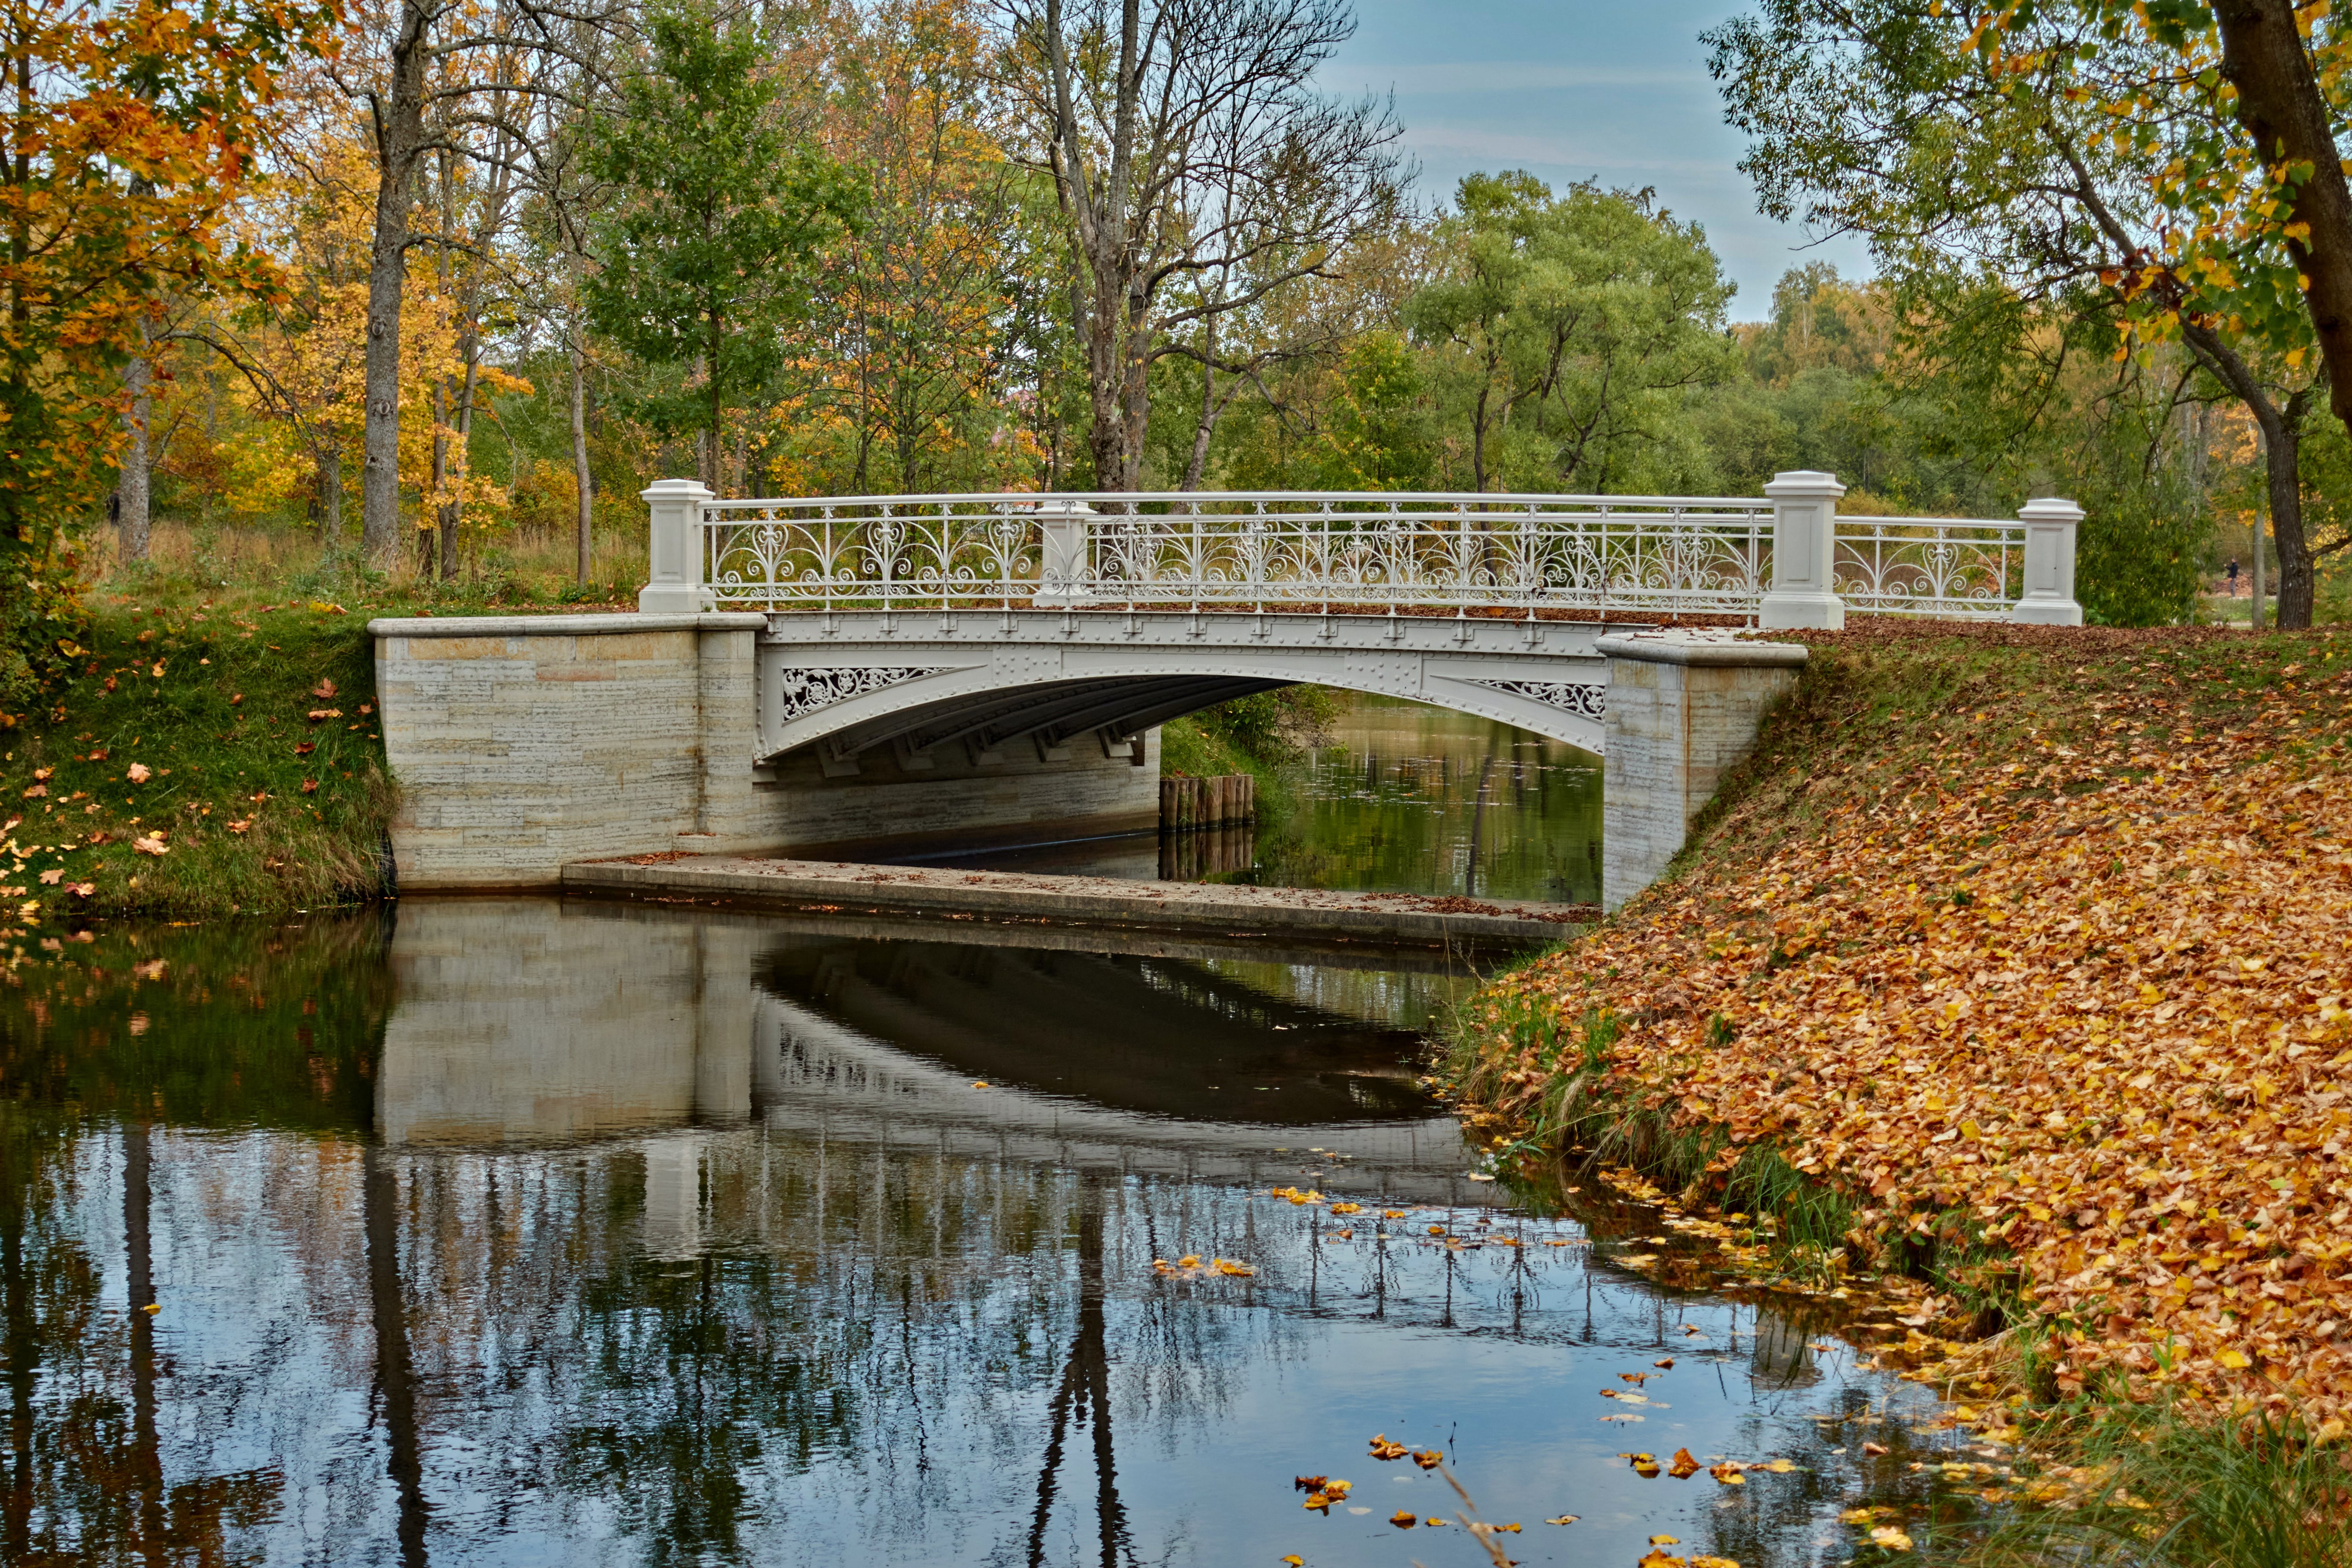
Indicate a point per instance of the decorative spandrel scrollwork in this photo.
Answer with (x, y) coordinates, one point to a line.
(1587, 699)
(801, 691)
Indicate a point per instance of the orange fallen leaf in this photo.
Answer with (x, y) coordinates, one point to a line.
(1683, 1467)
(138, 772)
(150, 845)
(1403, 1519)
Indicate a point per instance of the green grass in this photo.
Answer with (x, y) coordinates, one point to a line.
(256, 805)
(2156, 1491)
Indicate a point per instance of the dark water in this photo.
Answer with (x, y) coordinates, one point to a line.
(1404, 798)
(525, 1232)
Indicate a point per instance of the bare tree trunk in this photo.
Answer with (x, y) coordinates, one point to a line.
(330, 497)
(435, 545)
(2284, 114)
(2281, 429)
(1203, 429)
(583, 484)
(133, 488)
(451, 512)
(399, 115)
(710, 445)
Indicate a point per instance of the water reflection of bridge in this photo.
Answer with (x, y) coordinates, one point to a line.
(530, 1021)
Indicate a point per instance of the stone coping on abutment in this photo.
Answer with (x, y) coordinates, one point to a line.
(835, 885)
(611, 623)
(1699, 646)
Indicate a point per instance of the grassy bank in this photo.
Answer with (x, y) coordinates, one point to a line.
(215, 746)
(2014, 964)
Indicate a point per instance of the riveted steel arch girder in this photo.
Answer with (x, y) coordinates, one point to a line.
(851, 682)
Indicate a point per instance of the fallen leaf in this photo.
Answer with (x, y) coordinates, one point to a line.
(1683, 1467)
(52, 876)
(1886, 1537)
(324, 689)
(1403, 1519)
(1669, 1361)
(1565, 1519)
(1428, 1458)
(310, 786)
(138, 772)
(150, 845)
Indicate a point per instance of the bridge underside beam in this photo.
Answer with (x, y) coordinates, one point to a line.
(1053, 713)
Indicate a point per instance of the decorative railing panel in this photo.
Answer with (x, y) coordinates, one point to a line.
(1955, 567)
(1228, 550)
(1787, 561)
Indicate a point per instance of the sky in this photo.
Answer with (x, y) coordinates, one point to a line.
(1613, 91)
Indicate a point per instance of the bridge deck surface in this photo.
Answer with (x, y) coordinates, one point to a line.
(834, 885)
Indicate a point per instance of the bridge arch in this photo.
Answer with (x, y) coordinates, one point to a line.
(843, 685)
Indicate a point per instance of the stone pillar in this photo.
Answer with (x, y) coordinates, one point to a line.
(1804, 553)
(2049, 600)
(1683, 706)
(675, 567)
(1066, 572)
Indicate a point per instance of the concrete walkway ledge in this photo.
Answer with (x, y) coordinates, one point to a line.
(607, 624)
(1700, 648)
(834, 885)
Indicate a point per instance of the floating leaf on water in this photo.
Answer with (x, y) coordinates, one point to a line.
(1888, 1538)
(1428, 1458)
(1683, 1467)
(1564, 1519)
(1403, 1519)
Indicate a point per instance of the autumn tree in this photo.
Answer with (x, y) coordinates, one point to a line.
(129, 133)
(442, 81)
(2070, 161)
(907, 364)
(1186, 140)
(705, 261)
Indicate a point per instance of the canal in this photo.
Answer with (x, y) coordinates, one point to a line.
(521, 1231)
(1396, 797)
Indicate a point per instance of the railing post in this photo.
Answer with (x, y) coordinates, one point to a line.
(675, 567)
(1804, 553)
(2049, 598)
(1065, 577)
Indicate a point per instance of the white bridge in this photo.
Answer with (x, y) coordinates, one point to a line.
(819, 676)
(975, 622)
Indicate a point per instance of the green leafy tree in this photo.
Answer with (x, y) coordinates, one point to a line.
(1565, 329)
(704, 262)
(2019, 174)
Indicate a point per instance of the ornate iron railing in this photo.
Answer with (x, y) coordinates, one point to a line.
(1180, 549)
(1785, 558)
(1953, 567)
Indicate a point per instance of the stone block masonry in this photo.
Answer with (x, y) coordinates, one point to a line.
(522, 743)
(1683, 707)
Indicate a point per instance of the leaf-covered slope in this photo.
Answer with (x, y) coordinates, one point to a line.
(2034, 941)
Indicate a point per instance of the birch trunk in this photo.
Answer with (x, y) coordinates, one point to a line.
(399, 115)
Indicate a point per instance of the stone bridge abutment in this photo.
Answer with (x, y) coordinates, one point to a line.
(523, 743)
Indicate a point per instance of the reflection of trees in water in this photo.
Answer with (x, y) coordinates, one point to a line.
(723, 1344)
(85, 1478)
